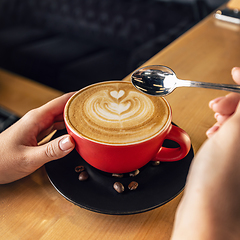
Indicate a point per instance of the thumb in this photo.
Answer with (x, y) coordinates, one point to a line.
(54, 149)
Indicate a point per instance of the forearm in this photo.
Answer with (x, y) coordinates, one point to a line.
(202, 219)
(210, 208)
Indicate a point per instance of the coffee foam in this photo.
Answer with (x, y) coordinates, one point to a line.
(116, 113)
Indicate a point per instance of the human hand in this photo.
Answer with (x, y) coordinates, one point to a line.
(224, 106)
(20, 153)
(209, 208)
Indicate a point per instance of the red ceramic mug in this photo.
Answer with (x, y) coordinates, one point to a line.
(118, 129)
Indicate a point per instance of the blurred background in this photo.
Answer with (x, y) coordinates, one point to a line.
(69, 44)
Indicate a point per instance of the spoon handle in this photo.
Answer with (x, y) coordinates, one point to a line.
(217, 86)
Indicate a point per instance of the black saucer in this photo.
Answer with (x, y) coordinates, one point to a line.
(157, 184)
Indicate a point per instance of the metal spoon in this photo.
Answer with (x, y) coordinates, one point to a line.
(160, 81)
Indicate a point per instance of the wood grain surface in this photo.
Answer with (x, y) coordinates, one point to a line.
(32, 209)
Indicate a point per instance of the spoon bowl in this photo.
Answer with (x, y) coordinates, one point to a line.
(160, 80)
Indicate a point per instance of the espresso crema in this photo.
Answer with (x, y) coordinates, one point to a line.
(116, 113)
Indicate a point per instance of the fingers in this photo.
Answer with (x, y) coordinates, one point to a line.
(55, 107)
(215, 101)
(42, 118)
(212, 130)
(225, 105)
(52, 150)
(222, 118)
(49, 113)
(56, 148)
(55, 126)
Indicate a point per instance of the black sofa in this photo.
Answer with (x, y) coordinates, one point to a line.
(68, 44)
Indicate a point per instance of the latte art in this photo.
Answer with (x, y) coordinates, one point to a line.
(104, 106)
(116, 113)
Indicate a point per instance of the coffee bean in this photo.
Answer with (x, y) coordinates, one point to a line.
(79, 168)
(83, 176)
(135, 173)
(133, 185)
(118, 175)
(155, 163)
(118, 187)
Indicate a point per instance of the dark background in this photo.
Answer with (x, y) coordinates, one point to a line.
(68, 44)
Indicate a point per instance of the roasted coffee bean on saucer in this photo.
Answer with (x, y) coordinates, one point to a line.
(79, 168)
(118, 175)
(133, 185)
(83, 176)
(156, 163)
(118, 187)
(134, 173)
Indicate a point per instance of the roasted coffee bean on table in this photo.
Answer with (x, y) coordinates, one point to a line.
(118, 187)
(83, 176)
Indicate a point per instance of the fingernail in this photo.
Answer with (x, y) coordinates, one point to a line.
(211, 103)
(234, 69)
(216, 115)
(209, 133)
(66, 143)
(216, 100)
(211, 130)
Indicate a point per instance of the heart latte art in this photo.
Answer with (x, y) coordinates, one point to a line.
(116, 113)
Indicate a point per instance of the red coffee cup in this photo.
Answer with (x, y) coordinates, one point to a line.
(127, 157)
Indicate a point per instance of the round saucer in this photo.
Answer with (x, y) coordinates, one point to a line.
(157, 184)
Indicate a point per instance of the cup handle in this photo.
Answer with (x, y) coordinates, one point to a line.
(178, 135)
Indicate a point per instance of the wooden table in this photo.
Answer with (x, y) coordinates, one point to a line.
(32, 209)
